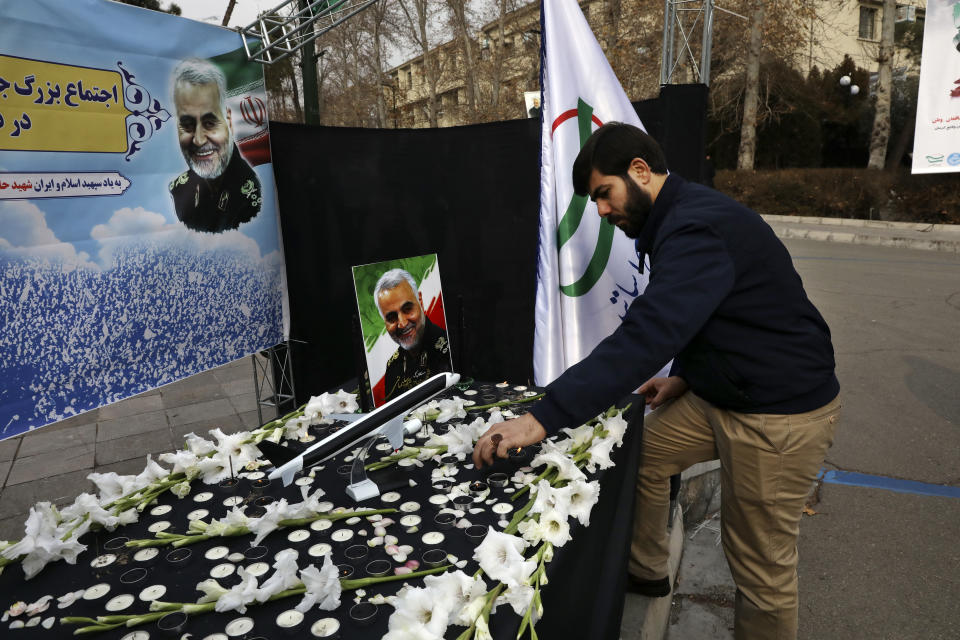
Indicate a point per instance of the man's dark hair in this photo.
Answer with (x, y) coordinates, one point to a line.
(610, 150)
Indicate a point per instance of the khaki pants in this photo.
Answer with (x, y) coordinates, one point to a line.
(768, 463)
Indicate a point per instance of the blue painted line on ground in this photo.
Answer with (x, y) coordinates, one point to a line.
(853, 479)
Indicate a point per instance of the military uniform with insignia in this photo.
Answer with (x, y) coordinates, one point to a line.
(406, 370)
(218, 204)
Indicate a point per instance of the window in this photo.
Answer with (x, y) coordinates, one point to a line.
(868, 21)
(409, 80)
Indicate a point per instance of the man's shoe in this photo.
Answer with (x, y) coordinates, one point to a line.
(650, 588)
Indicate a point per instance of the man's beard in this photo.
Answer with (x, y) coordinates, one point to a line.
(411, 340)
(636, 210)
(213, 166)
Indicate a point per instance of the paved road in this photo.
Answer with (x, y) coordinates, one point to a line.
(874, 563)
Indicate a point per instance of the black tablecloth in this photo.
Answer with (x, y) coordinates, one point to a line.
(583, 599)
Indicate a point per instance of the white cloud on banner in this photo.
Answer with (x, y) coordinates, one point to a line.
(24, 233)
(138, 225)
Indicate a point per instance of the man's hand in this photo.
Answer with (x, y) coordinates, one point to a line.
(520, 432)
(659, 390)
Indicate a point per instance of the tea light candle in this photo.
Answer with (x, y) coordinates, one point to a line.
(229, 484)
(263, 501)
(356, 551)
(146, 555)
(232, 501)
(502, 508)
(345, 570)
(161, 525)
(198, 514)
(476, 533)
(378, 568)
(161, 509)
(96, 591)
(216, 553)
(319, 550)
(325, 628)
(498, 480)
(438, 501)
(289, 619)
(410, 521)
(203, 496)
(239, 626)
(390, 496)
(102, 561)
(255, 475)
(444, 519)
(299, 535)
(258, 569)
(140, 634)
(434, 558)
(119, 603)
(432, 537)
(303, 481)
(320, 525)
(153, 592)
(478, 486)
(341, 535)
(409, 506)
(222, 570)
(463, 502)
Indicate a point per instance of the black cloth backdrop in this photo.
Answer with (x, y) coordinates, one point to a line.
(469, 194)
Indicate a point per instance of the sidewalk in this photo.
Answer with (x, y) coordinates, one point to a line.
(53, 462)
(906, 235)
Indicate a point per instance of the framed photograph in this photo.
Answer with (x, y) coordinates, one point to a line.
(400, 303)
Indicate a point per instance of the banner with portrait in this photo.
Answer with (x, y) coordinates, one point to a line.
(404, 327)
(936, 143)
(139, 237)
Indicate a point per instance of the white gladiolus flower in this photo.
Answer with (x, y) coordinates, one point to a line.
(86, 504)
(310, 505)
(566, 468)
(501, 557)
(467, 594)
(183, 461)
(582, 496)
(237, 598)
(615, 427)
(600, 452)
(482, 630)
(329, 403)
(518, 597)
(269, 521)
(555, 529)
(42, 541)
(212, 590)
(549, 497)
(296, 428)
(284, 576)
(531, 531)
(323, 587)
(111, 486)
(580, 435)
(426, 608)
(234, 446)
(181, 489)
(451, 408)
(129, 516)
(151, 473)
(456, 439)
(199, 446)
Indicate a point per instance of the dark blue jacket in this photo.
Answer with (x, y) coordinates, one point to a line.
(725, 301)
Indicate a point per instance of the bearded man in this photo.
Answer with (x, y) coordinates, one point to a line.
(752, 381)
(424, 350)
(220, 190)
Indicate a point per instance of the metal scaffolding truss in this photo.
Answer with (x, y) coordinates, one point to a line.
(294, 24)
(683, 20)
(273, 381)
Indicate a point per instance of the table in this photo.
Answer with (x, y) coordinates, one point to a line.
(583, 599)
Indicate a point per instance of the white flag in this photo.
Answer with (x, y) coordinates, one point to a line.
(587, 273)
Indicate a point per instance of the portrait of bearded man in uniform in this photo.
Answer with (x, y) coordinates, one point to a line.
(220, 190)
(423, 347)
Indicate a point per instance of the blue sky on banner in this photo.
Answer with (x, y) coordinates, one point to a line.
(106, 296)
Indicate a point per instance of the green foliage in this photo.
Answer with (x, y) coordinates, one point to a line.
(365, 279)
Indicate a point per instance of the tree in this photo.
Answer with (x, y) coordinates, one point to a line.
(461, 26)
(153, 5)
(748, 127)
(417, 14)
(881, 120)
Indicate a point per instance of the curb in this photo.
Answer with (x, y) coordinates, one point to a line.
(944, 238)
(649, 618)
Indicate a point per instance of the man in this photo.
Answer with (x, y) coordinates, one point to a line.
(752, 381)
(220, 190)
(424, 350)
